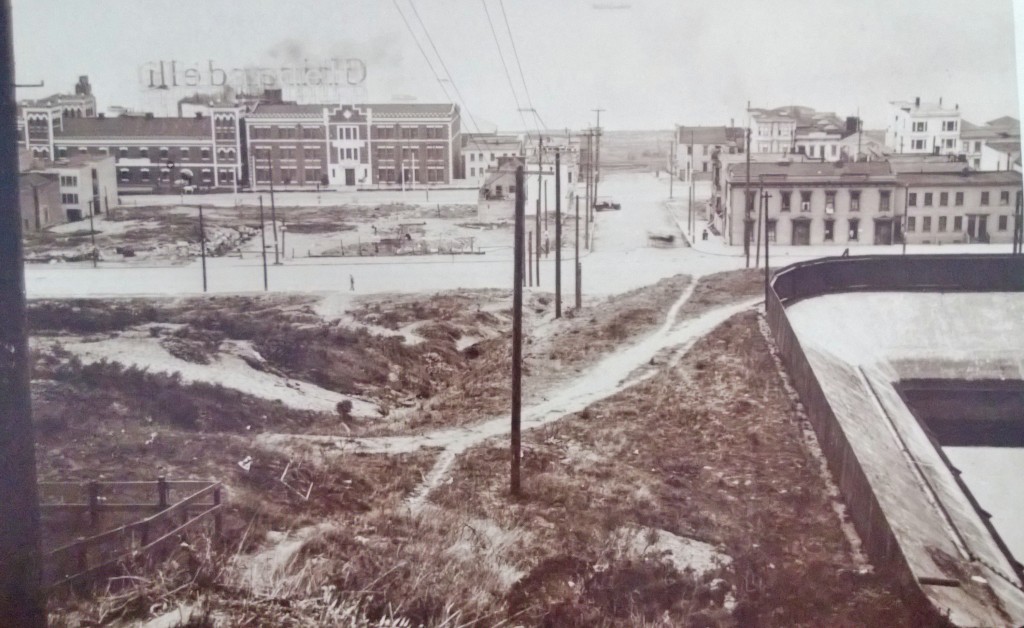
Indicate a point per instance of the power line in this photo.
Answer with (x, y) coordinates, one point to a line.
(508, 76)
(451, 79)
(422, 51)
(515, 52)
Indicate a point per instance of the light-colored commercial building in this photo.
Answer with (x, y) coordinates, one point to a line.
(916, 127)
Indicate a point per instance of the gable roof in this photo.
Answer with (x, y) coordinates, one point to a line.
(102, 128)
(1005, 121)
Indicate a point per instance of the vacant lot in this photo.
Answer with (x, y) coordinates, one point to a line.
(690, 499)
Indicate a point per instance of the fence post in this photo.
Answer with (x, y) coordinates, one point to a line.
(144, 534)
(161, 489)
(94, 499)
(82, 550)
(217, 519)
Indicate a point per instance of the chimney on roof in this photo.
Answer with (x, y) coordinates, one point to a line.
(199, 115)
(958, 107)
(940, 101)
(917, 102)
(101, 115)
(149, 115)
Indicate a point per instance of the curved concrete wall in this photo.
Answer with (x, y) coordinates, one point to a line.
(932, 273)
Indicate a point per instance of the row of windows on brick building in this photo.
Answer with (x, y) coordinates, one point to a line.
(958, 198)
(183, 153)
(884, 201)
(1002, 223)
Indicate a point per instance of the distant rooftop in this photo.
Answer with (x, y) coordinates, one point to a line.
(134, 127)
(710, 134)
(810, 170)
(926, 108)
(968, 177)
(385, 110)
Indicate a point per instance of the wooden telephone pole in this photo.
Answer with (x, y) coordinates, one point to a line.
(517, 334)
(22, 601)
(558, 234)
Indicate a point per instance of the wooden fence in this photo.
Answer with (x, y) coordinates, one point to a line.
(92, 557)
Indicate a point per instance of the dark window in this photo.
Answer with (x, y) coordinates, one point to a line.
(1004, 197)
(805, 201)
(855, 200)
(912, 199)
(984, 198)
(830, 201)
(786, 200)
(1003, 223)
(942, 223)
(883, 200)
(943, 199)
(958, 223)
(927, 200)
(830, 230)
(911, 223)
(771, 230)
(958, 199)
(854, 233)
(926, 224)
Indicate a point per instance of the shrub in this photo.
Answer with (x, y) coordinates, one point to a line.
(344, 408)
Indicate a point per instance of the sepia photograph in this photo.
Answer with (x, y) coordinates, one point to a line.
(511, 313)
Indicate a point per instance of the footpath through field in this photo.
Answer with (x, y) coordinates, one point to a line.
(611, 375)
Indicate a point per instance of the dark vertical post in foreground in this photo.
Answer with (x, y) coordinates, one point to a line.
(579, 294)
(760, 211)
(263, 243)
(202, 244)
(1018, 224)
(517, 331)
(558, 234)
(767, 270)
(21, 596)
(273, 215)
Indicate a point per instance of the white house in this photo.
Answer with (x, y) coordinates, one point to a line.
(916, 127)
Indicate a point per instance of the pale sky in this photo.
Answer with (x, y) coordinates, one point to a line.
(650, 63)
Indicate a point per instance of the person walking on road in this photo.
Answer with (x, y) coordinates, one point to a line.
(351, 283)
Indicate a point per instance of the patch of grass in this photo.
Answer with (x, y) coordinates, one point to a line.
(724, 288)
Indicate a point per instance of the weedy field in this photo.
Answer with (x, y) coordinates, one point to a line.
(690, 499)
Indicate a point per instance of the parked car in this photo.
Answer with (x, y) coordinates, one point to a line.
(606, 205)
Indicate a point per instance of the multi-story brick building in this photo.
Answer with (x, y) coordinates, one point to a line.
(151, 154)
(354, 145)
(959, 207)
(81, 104)
(916, 127)
(813, 203)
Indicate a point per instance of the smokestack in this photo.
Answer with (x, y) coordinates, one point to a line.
(917, 102)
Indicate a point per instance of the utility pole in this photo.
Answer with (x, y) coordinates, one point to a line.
(540, 187)
(517, 334)
(767, 271)
(22, 601)
(906, 199)
(92, 232)
(693, 191)
(273, 216)
(202, 244)
(1018, 224)
(590, 202)
(672, 164)
(760, 210)
(263, 242)
(597, 159)
(579, 272)
(558, 234)
(747, 206)
(529, 255)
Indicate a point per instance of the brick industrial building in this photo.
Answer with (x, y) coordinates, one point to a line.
(151, 153)
(354, 145)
